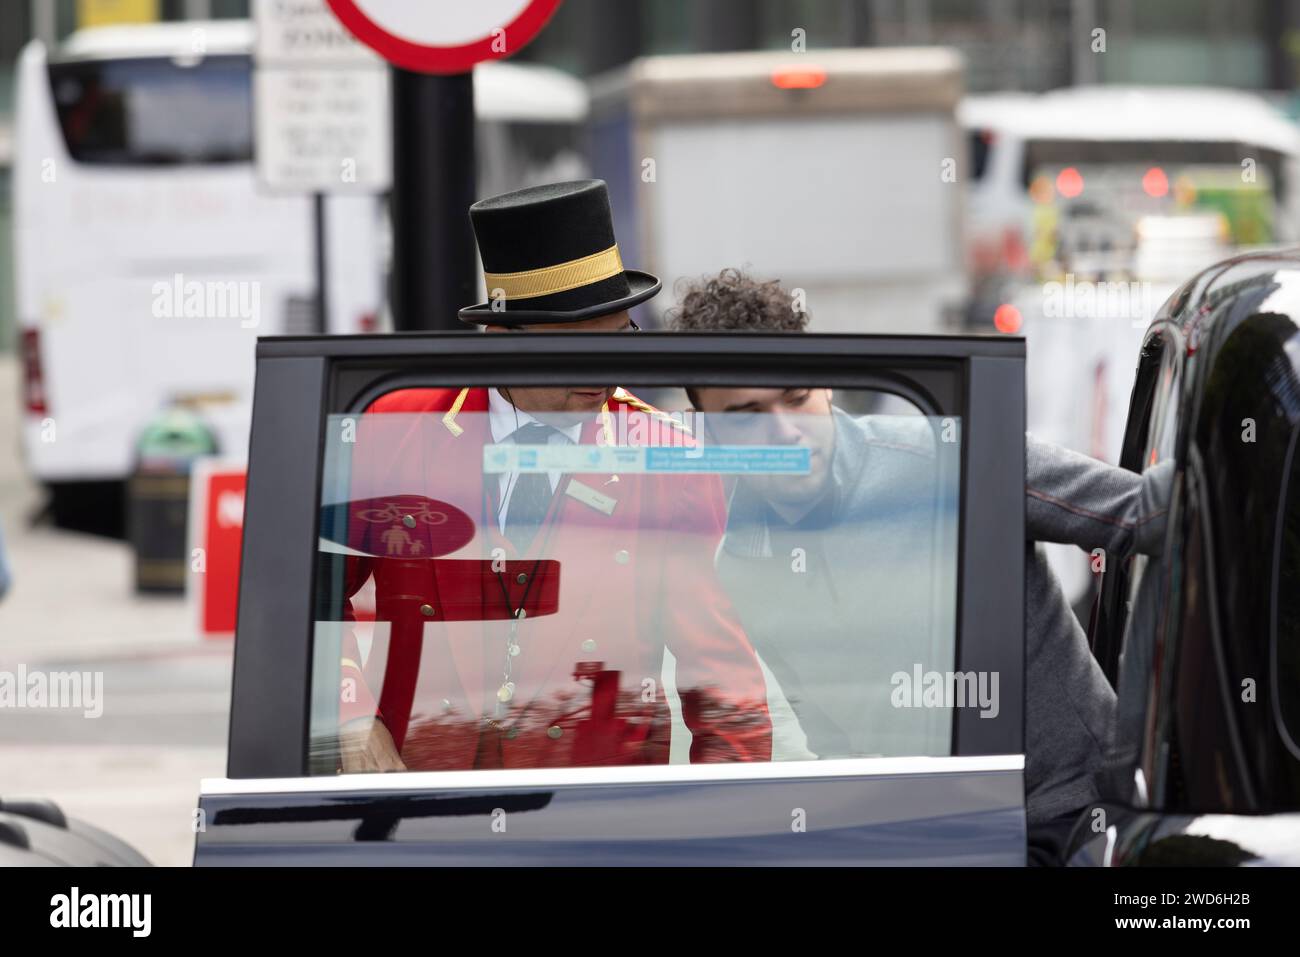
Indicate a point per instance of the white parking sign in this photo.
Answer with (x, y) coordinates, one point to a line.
(321, 101)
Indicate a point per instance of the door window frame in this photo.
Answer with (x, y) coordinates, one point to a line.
(301, 381)
(1161, 348)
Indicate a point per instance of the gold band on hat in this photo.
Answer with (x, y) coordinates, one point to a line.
(558, 278)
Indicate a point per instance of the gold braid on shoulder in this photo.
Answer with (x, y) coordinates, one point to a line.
(449, 419)
(628, 398)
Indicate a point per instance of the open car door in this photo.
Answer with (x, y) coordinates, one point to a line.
(629, 599)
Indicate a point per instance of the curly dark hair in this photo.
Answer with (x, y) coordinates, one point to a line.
(734, 302)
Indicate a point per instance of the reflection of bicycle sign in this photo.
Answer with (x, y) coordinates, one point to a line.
(392, 512)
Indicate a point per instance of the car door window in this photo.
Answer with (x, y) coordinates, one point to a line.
(1136, 594)
(1148, 440)
(511, 577)
(710, 657)
(1158, 447)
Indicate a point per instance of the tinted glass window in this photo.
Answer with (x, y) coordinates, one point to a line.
(1139, 583)
(155, 111)
(770, 578)
(1158, 447)
(1154, 217)
(1164, 413)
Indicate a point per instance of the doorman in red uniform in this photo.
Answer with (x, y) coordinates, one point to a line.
(527, 586)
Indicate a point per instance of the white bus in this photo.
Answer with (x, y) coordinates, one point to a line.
(147, 258)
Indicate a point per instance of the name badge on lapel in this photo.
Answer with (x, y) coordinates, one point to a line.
(590, 497)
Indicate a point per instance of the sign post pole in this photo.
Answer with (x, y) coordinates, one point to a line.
(433, 48)
(322, 263)
(434, 269)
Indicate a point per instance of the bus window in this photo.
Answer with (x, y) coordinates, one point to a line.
(155, 111)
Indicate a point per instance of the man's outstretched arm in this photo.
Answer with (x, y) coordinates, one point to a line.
(1074, 499)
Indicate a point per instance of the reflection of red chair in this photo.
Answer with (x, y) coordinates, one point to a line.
(600, 738)
(639, 575)
(459, 590)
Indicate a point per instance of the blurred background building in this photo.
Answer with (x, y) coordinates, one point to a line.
(1008, 45)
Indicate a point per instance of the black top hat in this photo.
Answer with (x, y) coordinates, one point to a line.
(549, 255)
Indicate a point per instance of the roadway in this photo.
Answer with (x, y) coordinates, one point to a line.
(134, 769)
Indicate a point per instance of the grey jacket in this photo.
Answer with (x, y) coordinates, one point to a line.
(861, 589)
(1070, 707)
(876, 598)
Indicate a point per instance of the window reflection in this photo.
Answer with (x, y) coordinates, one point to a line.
(740, 579)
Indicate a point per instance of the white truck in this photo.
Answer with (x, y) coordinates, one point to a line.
(837, 172)
(1094, 204)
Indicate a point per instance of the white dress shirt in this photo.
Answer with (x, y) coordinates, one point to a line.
(504, 420)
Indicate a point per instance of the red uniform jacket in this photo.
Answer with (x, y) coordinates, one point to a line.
(603, 589)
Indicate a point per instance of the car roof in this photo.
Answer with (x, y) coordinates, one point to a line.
(1191, 305)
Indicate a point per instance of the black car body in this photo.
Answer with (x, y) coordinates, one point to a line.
(1204, 642)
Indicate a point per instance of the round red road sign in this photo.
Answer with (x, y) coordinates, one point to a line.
(443, 36)
(398, 526)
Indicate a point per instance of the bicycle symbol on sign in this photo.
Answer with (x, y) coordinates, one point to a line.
(393, 512)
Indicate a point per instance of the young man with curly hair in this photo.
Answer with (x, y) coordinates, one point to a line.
(858, 463)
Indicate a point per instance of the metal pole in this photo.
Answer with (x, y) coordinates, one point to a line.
(322, 272)
(434, 261)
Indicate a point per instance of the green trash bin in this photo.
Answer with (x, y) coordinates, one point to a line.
(158, 496)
